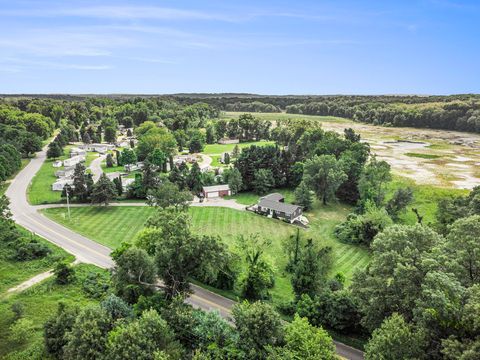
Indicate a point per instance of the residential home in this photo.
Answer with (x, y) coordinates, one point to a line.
(66, 172)
(225, 141)
(60, 184)
(77, 151)
(74, 160)
(134, 167)
(273, 205)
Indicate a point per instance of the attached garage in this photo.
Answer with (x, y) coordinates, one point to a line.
(210, 192)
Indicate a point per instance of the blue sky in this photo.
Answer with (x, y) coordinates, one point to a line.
(266, 47)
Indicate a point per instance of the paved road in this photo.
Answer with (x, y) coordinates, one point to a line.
(96, 167)
(88, 251)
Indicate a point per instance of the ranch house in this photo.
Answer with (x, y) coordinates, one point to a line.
(273, 205)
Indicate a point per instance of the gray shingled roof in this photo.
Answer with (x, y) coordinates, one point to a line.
(278, 206)
(274, 197)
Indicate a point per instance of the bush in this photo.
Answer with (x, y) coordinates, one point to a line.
(64, 273)
(96, 284)
(21, 330)
(361, 229)
(30, 250)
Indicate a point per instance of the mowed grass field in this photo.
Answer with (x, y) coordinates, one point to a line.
(40, 189)
(218, 149)
(283, 116)
(112, 225)
(40, 302)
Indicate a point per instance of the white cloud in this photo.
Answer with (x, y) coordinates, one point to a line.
(19, 64)
(122, 12)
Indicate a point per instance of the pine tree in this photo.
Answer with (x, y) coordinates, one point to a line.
(303, 196)
(54, 150)
(109, 160)
(194, 178)
(103, 191)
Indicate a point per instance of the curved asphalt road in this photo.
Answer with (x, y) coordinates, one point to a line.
(88, 251)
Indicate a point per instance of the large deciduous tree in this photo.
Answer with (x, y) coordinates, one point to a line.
(324, 174)
(259, 327)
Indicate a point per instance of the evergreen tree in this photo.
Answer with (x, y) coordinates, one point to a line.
(54, 150)
(109, 160)
(110, 134)
(80, 191)
(303, 196)
(103, 191)
(311, 269)
(263, 181)
(118, 185)
(194, 178)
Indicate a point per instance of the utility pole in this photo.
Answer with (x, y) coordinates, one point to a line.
(68, 204)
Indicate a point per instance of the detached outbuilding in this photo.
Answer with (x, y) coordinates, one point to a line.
(216, 191)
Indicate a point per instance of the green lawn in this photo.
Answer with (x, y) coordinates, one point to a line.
(110, 226)
(249, 198)
(218, 149)
(40, 302)
(40, 189)
(112, 169)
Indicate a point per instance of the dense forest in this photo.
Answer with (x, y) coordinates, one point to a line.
(454, 112)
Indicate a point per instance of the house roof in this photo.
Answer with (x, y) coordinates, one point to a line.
(278, 206)
(214, 188)
(274, 197)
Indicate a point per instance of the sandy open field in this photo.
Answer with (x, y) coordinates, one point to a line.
(437, 157)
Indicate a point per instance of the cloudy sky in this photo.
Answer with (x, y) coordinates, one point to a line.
(267, 47)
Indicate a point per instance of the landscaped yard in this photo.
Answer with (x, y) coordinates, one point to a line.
(110, 226)
(13, 273)
(40, 302)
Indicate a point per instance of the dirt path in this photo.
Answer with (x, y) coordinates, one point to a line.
(206, 162)
(30, 282)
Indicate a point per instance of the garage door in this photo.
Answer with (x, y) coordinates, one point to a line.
(212, 194)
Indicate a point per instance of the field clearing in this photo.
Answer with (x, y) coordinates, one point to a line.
(13, 272)
(112, 225)
(439, 154)
(218, 149)
(40, 302)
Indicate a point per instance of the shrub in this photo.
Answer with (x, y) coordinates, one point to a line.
(30, 250)
(96, 284)
(64, 273)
